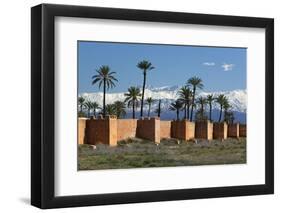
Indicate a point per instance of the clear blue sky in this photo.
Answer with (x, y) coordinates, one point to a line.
(219, 68)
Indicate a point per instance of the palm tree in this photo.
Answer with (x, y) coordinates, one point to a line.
(176, 106)
(120, 108)
(158, 110)
(201, 101)
(221, 101)
(95, 106)
(185, 94)
(196, 83)
(81, 102)
(132, 97)
(149, 101)
(226, 106)
(210, 100)
(106, 79)
(229, 117)
(89, 107)
(144, 66)
(110, 109)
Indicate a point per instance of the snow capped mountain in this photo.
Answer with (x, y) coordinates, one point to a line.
(237, 99)
(168, 94)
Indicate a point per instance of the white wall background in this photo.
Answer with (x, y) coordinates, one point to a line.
(15, 105)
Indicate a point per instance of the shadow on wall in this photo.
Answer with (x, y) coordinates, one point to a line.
(110, 130)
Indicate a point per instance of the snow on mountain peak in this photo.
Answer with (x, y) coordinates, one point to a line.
(168, 94)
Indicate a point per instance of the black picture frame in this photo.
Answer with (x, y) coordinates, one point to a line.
(43, 117)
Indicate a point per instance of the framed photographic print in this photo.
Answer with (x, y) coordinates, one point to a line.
(139, 106)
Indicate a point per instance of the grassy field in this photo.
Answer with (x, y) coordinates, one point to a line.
(137, 153)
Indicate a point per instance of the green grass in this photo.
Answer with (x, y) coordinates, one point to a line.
(138, 153)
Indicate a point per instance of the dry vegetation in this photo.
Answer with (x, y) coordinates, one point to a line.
(138, 153)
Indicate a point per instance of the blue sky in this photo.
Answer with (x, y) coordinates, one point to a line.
(219, 68)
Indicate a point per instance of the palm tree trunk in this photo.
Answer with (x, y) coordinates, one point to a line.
(210, 116)
(185, 110)
(104, 86)
(188, 111)
(148, 110)
(88, 113)
(193, 99)
(177, 114)
(95, 112)
(224, 114)
(159, 108)
(142, 95)
(220, 114)
(133, 109)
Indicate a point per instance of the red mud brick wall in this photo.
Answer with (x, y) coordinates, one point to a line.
(183, 130)
(96, 131)
(112, 126)
(242, 130)
(102, 131)
(210, 131)
(177, 130)
(189, 130)
(81, 130)
(149, 129)
(157, 129)
(204, 130)
(126, 128)
(165, 129)
(220, 130)
(233, 130)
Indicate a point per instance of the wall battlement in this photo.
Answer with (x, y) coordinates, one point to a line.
(109, 130)
(149, 128)
(204, 130)
(233, 130)
(242, 130)
(220, 130)
(184, 130)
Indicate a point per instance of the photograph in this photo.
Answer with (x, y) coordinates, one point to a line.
(160, 105)
(135, 105)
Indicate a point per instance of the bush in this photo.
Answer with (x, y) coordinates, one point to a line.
(81, 114)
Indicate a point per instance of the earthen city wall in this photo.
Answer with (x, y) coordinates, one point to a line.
(110, 130)
(165, 129)
(126, 128)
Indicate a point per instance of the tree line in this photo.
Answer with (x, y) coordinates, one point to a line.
(187, 102)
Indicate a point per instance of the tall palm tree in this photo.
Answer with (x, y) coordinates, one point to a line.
(120, 108)
(221, 101)
(176, 106)
(144, 66)
(158, 110)
(95, 106)
(185, 94)
(132, 98)
(195, 83)
(105, 78)
(89, 107)
(226, 106)
(81, 102)
(231, 117)
(201, 101)
(110, 109)
(149, 101)
(210, 100)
